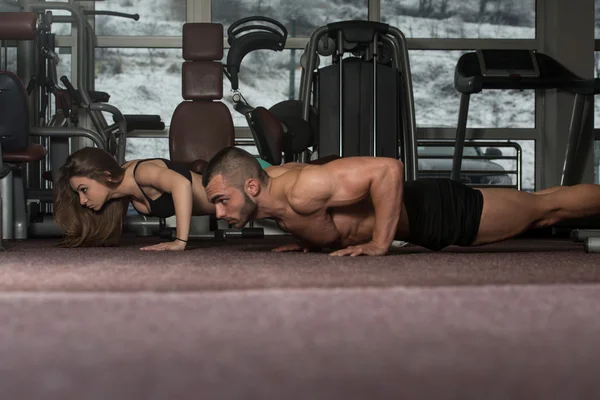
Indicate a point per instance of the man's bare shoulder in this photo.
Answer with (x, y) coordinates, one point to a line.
(276, 171)
(354, 165)
(310, 189)
(282, 178)
(310, 170)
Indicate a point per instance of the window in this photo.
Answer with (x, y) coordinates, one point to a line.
(64, 66)
(250, 148)
(9, 6)
(528, 167)
(299, 17)
(138, 148)
(148, 81)
(597, 7)
(157, 18)
(61, 28)
(597, 161)
(8, 57)
(596, 102)
(266, 77)
(437, 101)
(141, 81)
(476, 19)
(482, 157)
(447, 151)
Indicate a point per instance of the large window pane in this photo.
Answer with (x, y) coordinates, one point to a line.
(528, 165)
(141, 81)
(60, 28)
(473, 19)
(9, 6)
(266, 77)
(138, 148)
(597, 102)
(437, 101)
(597, 7)
(148, 81)
(64, 66)
(597, 161)
(157, 18)
(299, 17)
(250, 148)
(9, 59)
(500, 158)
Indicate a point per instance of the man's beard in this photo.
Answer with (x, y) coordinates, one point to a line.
(246, 212)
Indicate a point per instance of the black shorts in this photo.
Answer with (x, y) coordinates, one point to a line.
(442, 212)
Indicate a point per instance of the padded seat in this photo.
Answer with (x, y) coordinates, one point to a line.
(269, 135)
(201, 125)
(34, 152)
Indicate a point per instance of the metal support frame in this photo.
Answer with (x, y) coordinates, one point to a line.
(565, 31)
(400, 61)
(461, 131)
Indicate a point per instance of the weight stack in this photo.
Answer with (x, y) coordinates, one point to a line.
(358, 99)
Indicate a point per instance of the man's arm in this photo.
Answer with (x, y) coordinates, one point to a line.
(348, 181)
(169, 181)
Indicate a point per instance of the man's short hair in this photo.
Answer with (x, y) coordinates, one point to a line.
(236, 166)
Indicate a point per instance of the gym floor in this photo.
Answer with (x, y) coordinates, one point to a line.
(517, 320)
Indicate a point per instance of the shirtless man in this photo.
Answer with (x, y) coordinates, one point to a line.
(359, 205)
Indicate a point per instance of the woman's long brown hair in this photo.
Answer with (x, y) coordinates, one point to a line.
(81, 225)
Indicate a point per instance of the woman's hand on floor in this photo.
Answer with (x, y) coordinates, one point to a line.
(175, 245)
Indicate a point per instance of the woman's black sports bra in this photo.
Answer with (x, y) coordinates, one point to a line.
(163, 206)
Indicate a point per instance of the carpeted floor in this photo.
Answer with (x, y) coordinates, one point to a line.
(514, 320)
(38, 265)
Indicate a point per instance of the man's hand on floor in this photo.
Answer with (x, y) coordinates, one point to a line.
(366, 249)
(291, 247)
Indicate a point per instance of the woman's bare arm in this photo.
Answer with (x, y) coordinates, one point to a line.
(166, 180)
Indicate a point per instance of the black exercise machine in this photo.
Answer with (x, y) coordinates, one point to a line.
(282, 119)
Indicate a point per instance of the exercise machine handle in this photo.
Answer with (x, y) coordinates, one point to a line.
(134, 17)
(255, 37)
(233, 31)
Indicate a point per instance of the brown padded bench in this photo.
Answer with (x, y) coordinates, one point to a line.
(202, 125)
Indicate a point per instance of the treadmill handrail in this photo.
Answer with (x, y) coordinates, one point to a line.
(468, 78)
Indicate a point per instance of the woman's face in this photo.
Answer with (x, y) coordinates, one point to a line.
(92, 194)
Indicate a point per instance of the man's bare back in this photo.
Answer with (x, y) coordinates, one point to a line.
(338, 226)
